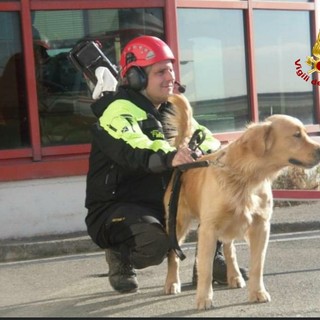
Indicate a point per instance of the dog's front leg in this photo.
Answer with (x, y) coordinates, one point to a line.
(258, 237)
(173, 284)
(235, 279)
(206, 248)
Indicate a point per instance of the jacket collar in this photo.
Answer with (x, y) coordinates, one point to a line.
(126, 93)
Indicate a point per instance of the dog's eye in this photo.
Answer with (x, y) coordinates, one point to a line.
(297, 134)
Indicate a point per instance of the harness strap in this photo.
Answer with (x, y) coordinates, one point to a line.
(196, 139)
(192, 165)
(173, 208)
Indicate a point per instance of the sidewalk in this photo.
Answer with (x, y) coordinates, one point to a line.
(298, 218)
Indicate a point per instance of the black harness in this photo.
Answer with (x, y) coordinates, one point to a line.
(196, 139)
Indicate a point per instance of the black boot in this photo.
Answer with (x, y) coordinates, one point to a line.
(122, 276)
(219, 272)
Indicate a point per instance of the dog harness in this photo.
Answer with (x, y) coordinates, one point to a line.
(197, 138)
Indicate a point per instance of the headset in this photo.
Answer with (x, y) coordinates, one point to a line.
(137, 78)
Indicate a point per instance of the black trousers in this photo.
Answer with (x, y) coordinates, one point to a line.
(136, 233)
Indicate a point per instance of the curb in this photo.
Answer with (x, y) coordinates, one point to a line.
(80, 243)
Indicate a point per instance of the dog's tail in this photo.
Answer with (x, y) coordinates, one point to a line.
(178, 121)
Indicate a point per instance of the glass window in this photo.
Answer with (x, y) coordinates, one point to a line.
(213, 66)
(279, 45)
(63, 94)
(14, 131)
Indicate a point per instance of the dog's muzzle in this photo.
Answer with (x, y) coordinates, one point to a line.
(316, 160)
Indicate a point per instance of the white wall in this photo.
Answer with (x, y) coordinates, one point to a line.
(42, 207)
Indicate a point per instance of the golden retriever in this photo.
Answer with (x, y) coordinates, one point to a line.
(232, 198)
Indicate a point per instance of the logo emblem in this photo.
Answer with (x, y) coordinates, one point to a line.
(314, 62)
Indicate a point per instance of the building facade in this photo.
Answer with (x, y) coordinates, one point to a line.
(240, 60)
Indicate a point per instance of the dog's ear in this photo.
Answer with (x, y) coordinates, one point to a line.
(269, 136)
(259, 139)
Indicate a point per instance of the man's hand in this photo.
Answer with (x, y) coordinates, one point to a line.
(185, 155)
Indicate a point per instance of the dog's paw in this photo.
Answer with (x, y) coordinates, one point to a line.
(259, 296)
(204, 299)
(172, 288)
(237, 282)
(204, 304)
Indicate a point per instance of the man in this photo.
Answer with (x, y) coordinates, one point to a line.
(131, 163)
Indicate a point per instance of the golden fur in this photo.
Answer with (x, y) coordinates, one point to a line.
(232, 198)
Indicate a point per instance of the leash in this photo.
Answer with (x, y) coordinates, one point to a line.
(173, 209)
(197, 138)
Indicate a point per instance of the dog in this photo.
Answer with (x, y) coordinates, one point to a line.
(232, 197)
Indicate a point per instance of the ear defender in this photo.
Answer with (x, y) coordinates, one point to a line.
(137, 78)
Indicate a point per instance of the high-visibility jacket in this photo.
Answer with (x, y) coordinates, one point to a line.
(130, 159)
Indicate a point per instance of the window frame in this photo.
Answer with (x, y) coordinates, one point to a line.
(70, 160)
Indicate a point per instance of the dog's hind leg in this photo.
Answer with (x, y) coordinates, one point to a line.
(258, 237)
(235, 279)
(206, 248)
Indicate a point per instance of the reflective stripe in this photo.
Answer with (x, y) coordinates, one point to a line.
(121, 121)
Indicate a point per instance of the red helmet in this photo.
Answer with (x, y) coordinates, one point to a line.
(144, 51)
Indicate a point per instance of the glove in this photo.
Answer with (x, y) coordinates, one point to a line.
(105, 82)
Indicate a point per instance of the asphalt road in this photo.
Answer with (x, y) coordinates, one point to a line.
(77, 286)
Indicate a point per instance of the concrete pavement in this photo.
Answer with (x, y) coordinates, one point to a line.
(76, 286)
(295, 218)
